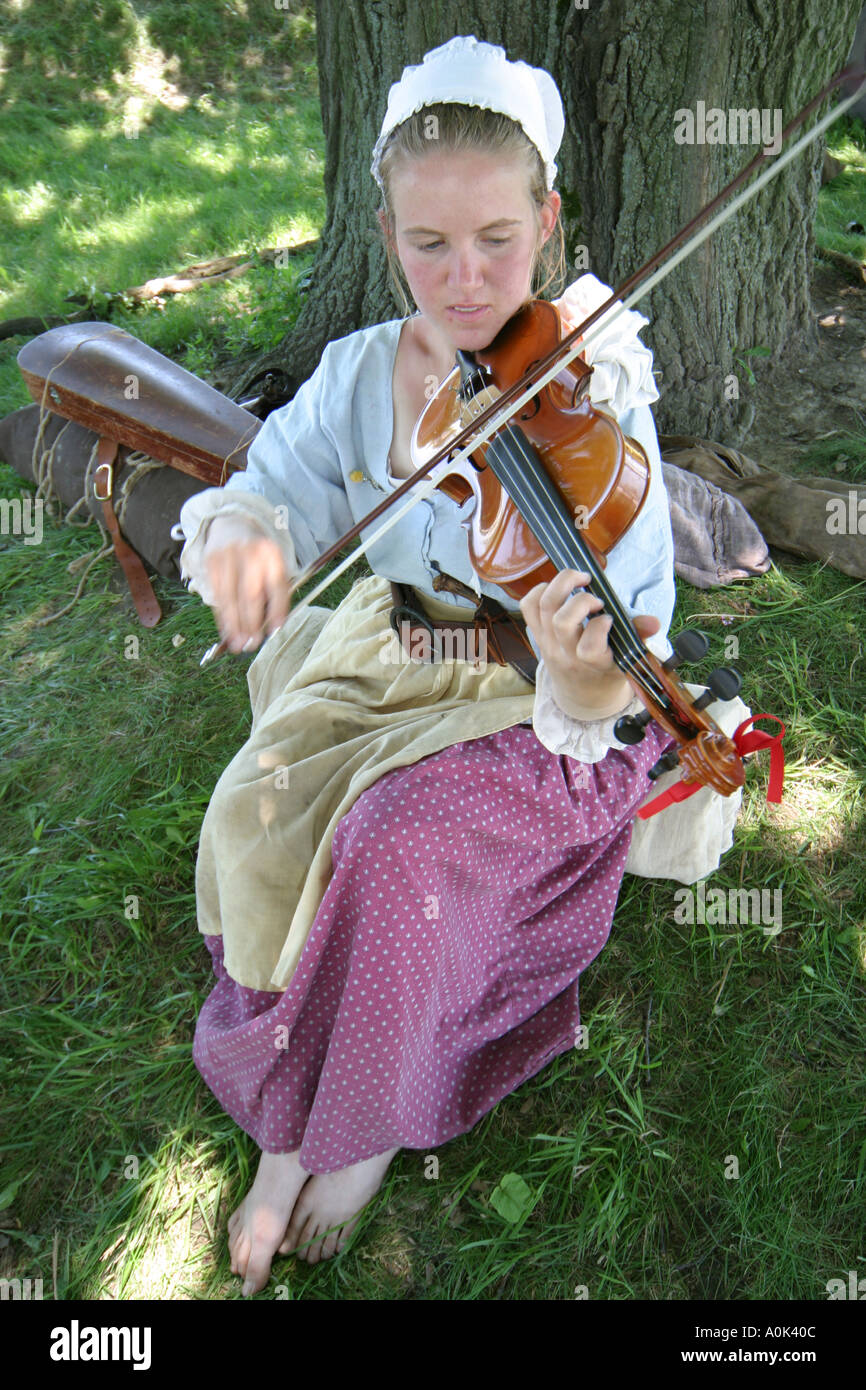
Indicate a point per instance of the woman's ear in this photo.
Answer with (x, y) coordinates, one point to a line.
(549, 213)
(384, 223)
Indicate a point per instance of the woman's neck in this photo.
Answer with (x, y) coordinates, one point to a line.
(432, 345)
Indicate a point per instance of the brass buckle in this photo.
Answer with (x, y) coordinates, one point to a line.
(96, 472)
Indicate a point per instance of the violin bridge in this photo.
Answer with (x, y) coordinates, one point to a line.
(474, 379)
(471, 409)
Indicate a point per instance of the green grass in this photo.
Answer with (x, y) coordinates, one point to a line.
(844, 453)
(843, 201)
(107, 181)
(753, 1046)
(706, 1042)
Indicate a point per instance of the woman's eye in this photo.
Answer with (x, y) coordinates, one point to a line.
(490, 241)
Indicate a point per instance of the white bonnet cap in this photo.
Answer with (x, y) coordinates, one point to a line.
(473, 73)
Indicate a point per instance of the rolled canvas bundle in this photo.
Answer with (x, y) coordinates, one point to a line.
(148, 510)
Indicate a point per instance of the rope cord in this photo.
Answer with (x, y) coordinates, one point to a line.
(42, 465)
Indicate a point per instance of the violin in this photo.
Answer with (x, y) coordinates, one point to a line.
(556, 489)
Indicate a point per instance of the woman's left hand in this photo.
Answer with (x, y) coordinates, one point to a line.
(586, 682)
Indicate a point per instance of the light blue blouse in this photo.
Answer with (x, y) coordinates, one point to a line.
(341, 422)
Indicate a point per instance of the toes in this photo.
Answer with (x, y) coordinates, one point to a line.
(299, 1219)
(327, 1243)
(257, 1274)
(306, 1241)
(311, 1250)
(235, 1223)
(337, 1242)
(241, 1254)
(330, 1243)
(259, 1250)
(344, 1235)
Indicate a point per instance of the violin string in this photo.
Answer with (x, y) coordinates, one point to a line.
(554, 532)
(573, 542)
(559, 541)
(544, 512)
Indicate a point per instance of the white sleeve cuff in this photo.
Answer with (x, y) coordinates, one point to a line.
(587, 740)
(622, 375)
(199, 511)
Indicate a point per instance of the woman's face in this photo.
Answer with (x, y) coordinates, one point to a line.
(466, 230)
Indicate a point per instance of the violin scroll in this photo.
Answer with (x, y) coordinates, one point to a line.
(706, 754)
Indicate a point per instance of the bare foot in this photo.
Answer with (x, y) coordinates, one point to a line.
(327, 1210)
(259, 1224)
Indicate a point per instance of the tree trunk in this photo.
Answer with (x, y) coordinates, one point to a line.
(633, 67)
(627, 72)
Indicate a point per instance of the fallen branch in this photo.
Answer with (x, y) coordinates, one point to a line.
(209, 272)
(99, 303)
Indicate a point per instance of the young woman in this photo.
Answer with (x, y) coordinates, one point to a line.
(406, 867)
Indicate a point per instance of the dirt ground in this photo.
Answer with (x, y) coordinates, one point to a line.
(815, 395)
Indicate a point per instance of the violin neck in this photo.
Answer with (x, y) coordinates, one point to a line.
(519, 470)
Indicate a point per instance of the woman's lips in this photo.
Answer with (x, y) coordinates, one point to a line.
(473, 311)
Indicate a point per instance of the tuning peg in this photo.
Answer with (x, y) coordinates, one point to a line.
(724, 684)
(631, 727)
(688, 646)
(666, 763)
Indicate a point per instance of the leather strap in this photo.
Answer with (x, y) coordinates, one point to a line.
(143, 597)
(505, 635)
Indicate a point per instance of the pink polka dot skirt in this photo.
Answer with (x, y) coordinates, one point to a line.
(469, 891)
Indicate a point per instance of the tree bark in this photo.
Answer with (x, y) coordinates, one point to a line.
(748, 286)
(625, 69)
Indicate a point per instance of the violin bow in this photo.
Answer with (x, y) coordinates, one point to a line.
(632, 290)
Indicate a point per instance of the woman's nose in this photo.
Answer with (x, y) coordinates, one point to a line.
(465, 270)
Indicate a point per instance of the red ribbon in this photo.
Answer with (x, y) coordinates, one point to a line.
(755, 741)
(744, 743)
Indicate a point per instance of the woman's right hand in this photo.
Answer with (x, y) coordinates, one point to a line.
(249, 582)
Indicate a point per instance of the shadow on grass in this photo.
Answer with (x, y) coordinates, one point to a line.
(61, 53)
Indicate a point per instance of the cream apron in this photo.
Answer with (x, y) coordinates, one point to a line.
(336, 703)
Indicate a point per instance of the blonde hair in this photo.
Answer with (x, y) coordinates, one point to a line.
(459, 127)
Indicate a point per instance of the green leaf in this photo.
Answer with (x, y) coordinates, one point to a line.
(512, 1198)
(7, 1196)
